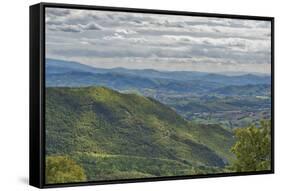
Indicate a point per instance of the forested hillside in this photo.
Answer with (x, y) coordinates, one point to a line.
(114, 136)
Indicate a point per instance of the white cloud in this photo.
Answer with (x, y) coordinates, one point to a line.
(92, 26)
(125, 31)
(132, 40)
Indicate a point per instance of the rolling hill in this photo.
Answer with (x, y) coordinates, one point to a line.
(116, 136)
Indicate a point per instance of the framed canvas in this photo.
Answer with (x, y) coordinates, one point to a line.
(123, 95)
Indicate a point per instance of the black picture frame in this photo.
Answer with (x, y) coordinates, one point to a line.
(37, 93)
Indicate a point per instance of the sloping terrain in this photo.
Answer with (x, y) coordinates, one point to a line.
(115, 135)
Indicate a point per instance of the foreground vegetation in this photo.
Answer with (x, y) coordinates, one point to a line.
(108, 135)
(62, 169)
(253, 148)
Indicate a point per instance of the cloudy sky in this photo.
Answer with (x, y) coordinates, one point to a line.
(163, 42)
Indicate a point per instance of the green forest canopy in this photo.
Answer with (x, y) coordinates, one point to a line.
(253, 148)
(62, 169)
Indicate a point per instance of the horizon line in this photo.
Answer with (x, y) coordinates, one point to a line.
(224, 73)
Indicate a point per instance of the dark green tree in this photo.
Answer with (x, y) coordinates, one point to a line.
(62, 169)
(253, 148)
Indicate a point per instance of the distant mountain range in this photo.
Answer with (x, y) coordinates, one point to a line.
(73, 74)
(204, 97)
(122, 123)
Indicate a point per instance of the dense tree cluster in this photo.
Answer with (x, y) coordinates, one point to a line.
(253, 148)
(62, 169)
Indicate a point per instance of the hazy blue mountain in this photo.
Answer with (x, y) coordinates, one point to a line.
(237, 80)
(246, 90)
(69, 69)
(61, 67)
(113, 80)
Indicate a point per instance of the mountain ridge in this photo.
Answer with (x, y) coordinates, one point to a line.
(152, 73)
